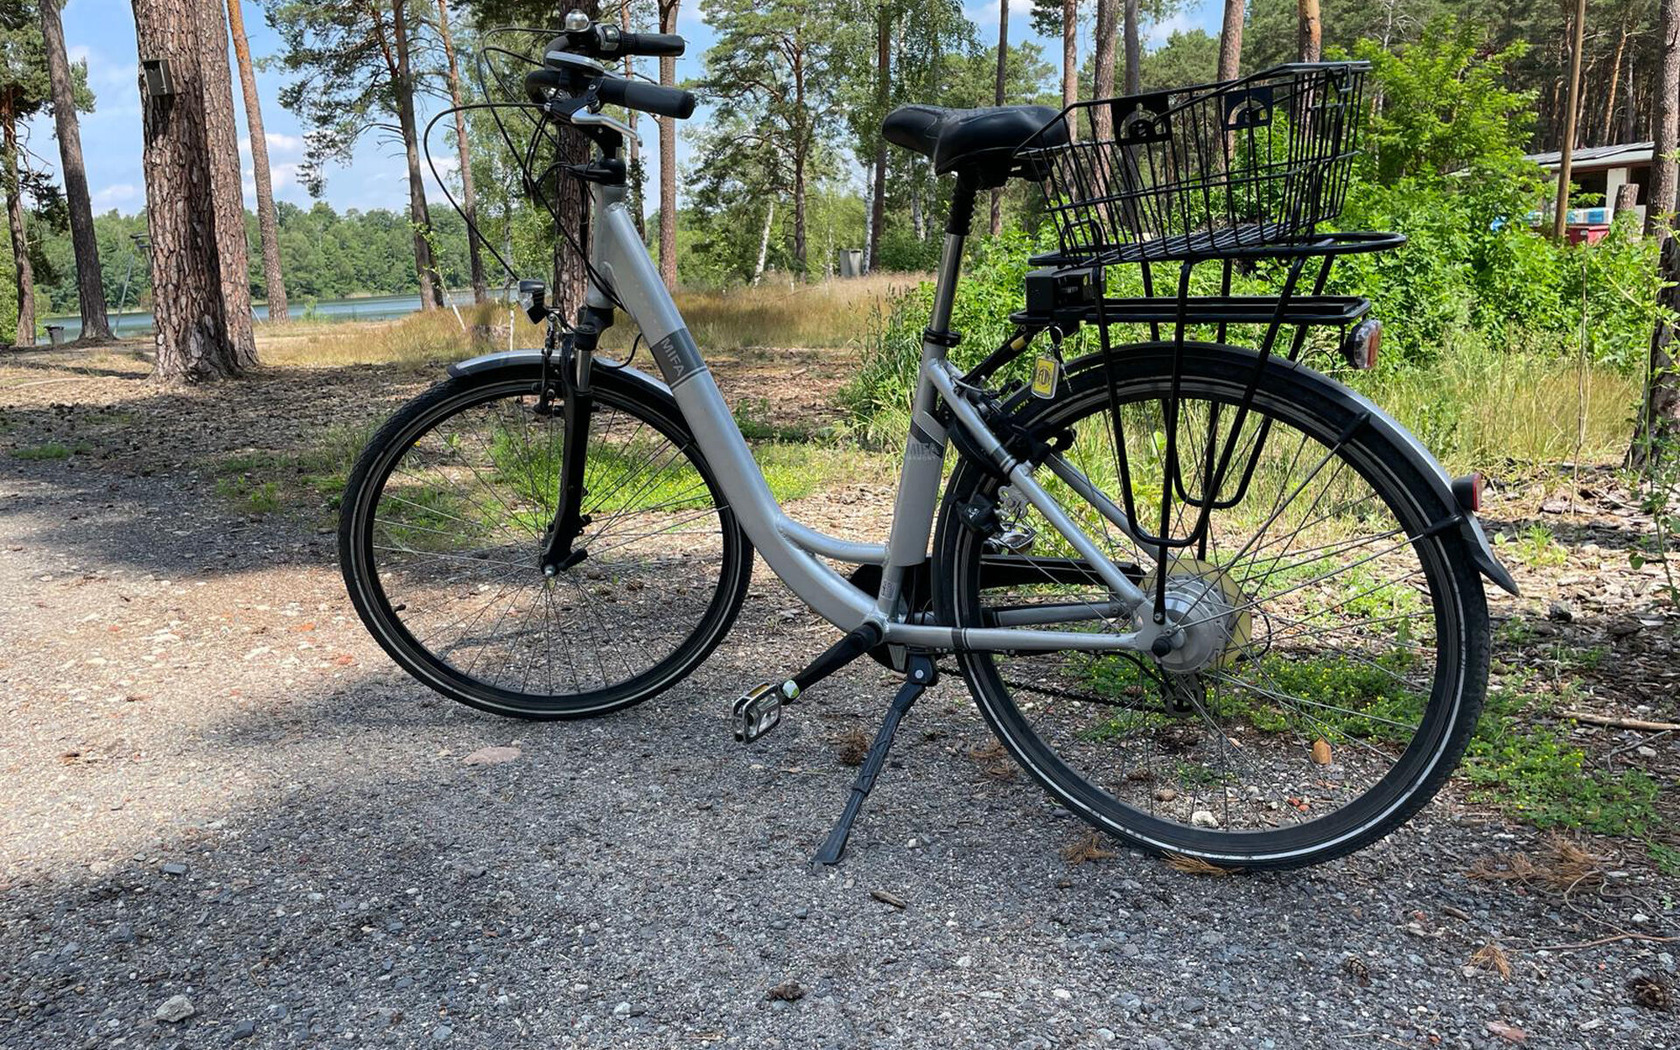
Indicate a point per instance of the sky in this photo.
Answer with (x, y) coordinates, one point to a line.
(102, 32)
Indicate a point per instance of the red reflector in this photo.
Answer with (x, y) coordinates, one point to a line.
(1468, 491)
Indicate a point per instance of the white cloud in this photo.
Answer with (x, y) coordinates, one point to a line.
(115, 194)
(277, 143)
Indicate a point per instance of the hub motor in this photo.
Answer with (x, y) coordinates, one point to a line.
(1207, 618)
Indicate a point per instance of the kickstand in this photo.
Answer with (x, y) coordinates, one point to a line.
(920, 674)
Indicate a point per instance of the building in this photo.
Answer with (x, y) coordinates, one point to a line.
(1602, 171)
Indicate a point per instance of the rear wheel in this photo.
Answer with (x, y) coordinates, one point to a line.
(442, 530)
(1334, 640)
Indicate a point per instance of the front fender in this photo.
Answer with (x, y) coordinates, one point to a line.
(532, 357)
(1417, 456)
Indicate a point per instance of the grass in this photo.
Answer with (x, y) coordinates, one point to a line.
(1476, 409)
(827, 314)
(1533, 547)
(262, 482)
(52, 450)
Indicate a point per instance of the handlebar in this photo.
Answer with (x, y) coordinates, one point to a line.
(649, 98)
(615, 91)
(601, 40)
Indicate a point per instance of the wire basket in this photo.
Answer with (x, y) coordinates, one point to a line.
(1244, 167)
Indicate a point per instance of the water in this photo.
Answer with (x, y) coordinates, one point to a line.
(135, 322)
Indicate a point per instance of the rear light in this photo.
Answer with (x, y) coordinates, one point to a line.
(1360, 347)
(1468, 491)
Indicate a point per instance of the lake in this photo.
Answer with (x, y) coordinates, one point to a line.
(361, 308)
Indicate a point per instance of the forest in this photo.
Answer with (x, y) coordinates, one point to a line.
(785, 164)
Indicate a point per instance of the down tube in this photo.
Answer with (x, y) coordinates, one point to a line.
(619, 254)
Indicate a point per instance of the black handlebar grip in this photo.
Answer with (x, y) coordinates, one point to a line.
(651, 44)
(649, 98)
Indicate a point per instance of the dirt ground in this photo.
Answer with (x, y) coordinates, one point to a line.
(214, 785)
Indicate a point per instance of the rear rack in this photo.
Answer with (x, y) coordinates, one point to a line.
(1332, 310)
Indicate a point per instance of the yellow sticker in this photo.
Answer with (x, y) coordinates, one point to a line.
(1046, 372)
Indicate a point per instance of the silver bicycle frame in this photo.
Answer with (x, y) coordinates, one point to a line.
(794, 551)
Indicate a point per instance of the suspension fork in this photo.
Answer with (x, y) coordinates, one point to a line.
(576, 352)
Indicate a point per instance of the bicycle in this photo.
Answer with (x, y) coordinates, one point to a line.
(1215, 602)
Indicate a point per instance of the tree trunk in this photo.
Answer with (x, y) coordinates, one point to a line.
(571, 271)
(1659, 423)
(883, 68)
(1102, 80)
(764, 243)
(25, 273)
(801, 153)
(1230, 41)
(402, 83)
(1608, 126)
(638, 190)
(181, 217)
(226, 186)
(996, 226)
(1070, 60)
(1561, 217)
(268, 226)
(90, 282)
(469, 202)
(1134, 49)
(1311, 37)
(1630, 111)
(668, 157)
(1665, 119)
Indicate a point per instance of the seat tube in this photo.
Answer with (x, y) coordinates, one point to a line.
(924, 449)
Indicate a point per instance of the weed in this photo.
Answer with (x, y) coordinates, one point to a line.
(1533, 547)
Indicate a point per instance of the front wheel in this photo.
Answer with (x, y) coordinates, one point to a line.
(1332, 652)
(442, 533)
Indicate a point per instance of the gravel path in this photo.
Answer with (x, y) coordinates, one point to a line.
(214, 786)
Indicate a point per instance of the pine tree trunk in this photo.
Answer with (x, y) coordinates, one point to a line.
(1103, 74)
(571, 272)
(996, 226)
(1230, 40)
(469, 202)
(1659, 423)
(1070, 60)
(268, 225)
(24, 272)
(1311, 35)
(226, 186)
(764, 243)
(1609, 123)
(638, 190)
(90, 282)
(188, 308)
(668, 157)
(1665, 119)
(402, 84)
(801, 154)
(878, 197)
(1134, 49)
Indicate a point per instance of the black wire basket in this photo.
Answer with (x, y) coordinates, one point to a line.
(1244, 167)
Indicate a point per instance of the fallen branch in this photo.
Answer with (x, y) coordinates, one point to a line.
(1622, 723)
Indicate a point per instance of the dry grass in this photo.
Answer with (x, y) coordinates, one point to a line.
(993, 759)
(1492, 957)
(1565, 866)
(852, 747)
(831, 314)
(837, 313)
(1477, 409)
(1087, 850)
(1197, 866)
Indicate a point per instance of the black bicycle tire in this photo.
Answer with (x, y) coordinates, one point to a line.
(440, 402)
(1226, 369)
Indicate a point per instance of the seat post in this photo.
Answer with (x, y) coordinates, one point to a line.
(950, 259)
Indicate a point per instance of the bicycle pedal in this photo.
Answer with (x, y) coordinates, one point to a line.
(758, 711)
